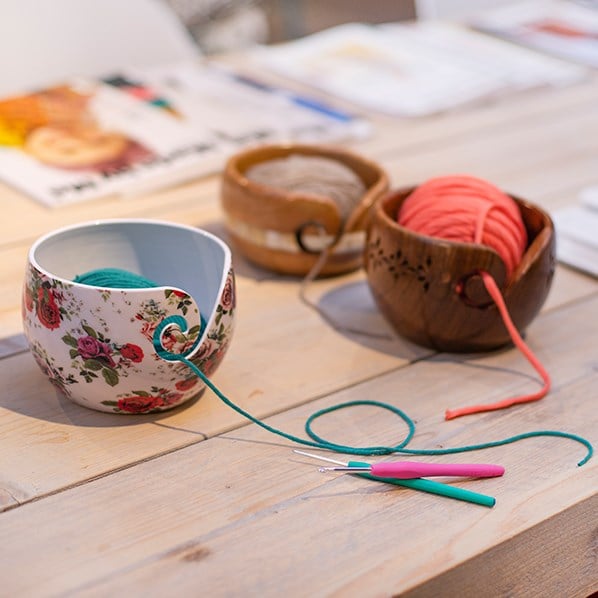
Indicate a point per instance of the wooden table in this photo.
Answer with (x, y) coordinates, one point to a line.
(199, 502)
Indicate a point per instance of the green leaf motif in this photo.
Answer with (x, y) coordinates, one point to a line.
(110, 376)
(141, 393)
(93, 364)
(69, 340)
(89, 330)
(73, 353)
(110, 403)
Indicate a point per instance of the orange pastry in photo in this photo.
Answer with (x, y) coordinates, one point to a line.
(82, 148)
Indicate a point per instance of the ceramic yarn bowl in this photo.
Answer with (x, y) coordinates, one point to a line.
(429, 289)
(284, 231)
(96, 344)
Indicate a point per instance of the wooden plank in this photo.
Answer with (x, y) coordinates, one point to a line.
(41, 219)
(484, 119)
(12, 345)
(239, 515)
(506, 155)
(518, 567)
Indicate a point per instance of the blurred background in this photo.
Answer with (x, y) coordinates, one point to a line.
(221, 25)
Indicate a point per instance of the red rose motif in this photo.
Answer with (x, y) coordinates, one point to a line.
(228, 295)
(212, 363)
(47, 310)
(132, 352)
(136, 404)
(180, 294)
(91, 348)
(170, 398)
(207, 347)
(184, 385)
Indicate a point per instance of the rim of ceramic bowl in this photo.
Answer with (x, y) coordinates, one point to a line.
(91, 223)
(108, 221)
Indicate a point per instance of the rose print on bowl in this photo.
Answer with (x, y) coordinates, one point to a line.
(95, 344)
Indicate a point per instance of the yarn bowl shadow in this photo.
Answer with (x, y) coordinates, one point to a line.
(431, 291)
(96, 344)
(285, 231)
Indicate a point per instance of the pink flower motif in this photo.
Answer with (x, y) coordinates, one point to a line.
(136, 404)
(228, 295)
(91, 348)
(207, 347)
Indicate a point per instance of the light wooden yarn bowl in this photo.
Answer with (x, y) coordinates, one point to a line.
(415, 280)
(256, 213)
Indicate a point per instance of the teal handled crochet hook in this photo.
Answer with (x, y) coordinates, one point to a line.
(424, 485)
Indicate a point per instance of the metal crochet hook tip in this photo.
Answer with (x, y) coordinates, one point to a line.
(319, 457)
(327, 469)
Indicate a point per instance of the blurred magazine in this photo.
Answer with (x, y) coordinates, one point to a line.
(561, 28)
(577, 232)
(138, 131)
(412, 69)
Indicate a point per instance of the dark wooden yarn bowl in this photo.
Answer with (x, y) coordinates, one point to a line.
(430, 289)
(266, 208)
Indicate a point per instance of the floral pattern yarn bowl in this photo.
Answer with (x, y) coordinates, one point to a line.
(96, 344)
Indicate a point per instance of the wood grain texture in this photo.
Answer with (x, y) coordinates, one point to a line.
(198, 501)
(257, 515)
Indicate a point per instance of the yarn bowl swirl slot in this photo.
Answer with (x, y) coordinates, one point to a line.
(430, 289)
(284, 230)
(96, 344)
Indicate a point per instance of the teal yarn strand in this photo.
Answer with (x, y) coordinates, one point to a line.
(321, 443)
(117, 278)
(114, 278)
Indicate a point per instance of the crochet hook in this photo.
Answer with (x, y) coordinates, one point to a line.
(424, 485)
(405, 470)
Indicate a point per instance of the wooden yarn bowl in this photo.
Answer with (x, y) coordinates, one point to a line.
(430, 289)
(285, 231)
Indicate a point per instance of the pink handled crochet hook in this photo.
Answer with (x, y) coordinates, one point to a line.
(404, 470)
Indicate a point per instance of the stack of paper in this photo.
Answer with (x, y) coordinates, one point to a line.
(577, 233)
(558, 27)
(412, 70)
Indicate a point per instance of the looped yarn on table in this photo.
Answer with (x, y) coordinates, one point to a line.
(114, 278)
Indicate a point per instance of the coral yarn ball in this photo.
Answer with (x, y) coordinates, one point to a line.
(468, 210)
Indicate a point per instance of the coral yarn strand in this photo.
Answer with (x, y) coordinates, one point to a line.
(496, 295)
